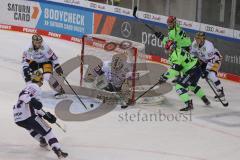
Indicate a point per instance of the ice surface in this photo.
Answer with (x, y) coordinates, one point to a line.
(212, 134)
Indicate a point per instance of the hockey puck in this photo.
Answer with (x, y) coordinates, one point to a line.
(91, 105)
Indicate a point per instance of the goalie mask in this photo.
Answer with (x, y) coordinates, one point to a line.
(118, 62)
(37, 41)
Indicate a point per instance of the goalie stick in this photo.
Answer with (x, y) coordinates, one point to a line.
(225, 104)
(147, 91)
(134, 101)
(81, 61)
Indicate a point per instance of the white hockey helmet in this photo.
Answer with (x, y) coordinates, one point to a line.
(37, 41)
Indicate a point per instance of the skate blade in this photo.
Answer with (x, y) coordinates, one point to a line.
(222, 99)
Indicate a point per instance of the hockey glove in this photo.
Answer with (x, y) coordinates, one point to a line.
(27, 74)
(162, 79)
(58, 69)
(34, 103)
(159, 35)
(50, 117)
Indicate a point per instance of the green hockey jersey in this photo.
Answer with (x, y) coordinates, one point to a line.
(178, 35)
(181, 62)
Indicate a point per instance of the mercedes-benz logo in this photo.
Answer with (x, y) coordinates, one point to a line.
(126, 29)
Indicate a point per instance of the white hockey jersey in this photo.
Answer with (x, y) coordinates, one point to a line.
(22, 110)
(43, 54)
(206, 53)
(116, 78)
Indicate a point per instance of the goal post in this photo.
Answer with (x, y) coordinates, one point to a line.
(97, 49)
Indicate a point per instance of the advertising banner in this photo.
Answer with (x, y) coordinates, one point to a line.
(216, 30)
(65, 20)
(44, 16)
(136, 31)
(69, 23)
(237, 34)
(20, 13)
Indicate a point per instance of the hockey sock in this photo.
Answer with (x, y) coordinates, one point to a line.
(35, 135)
(182, 92)
(197, 90)
(218, 85)
(213, 77)
(52, 140)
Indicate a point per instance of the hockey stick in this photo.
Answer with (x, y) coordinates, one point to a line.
(146, 91)
(74, 92)
(64, 130)
(81, 60)
(224, 104)
(140, 20)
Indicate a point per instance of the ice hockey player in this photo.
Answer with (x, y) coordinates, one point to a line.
(181, 62)
(113, 77)
(176, 34)
(28, 114)
(210, 59)
(40, 56)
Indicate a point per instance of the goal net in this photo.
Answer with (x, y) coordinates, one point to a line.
(141, 74)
